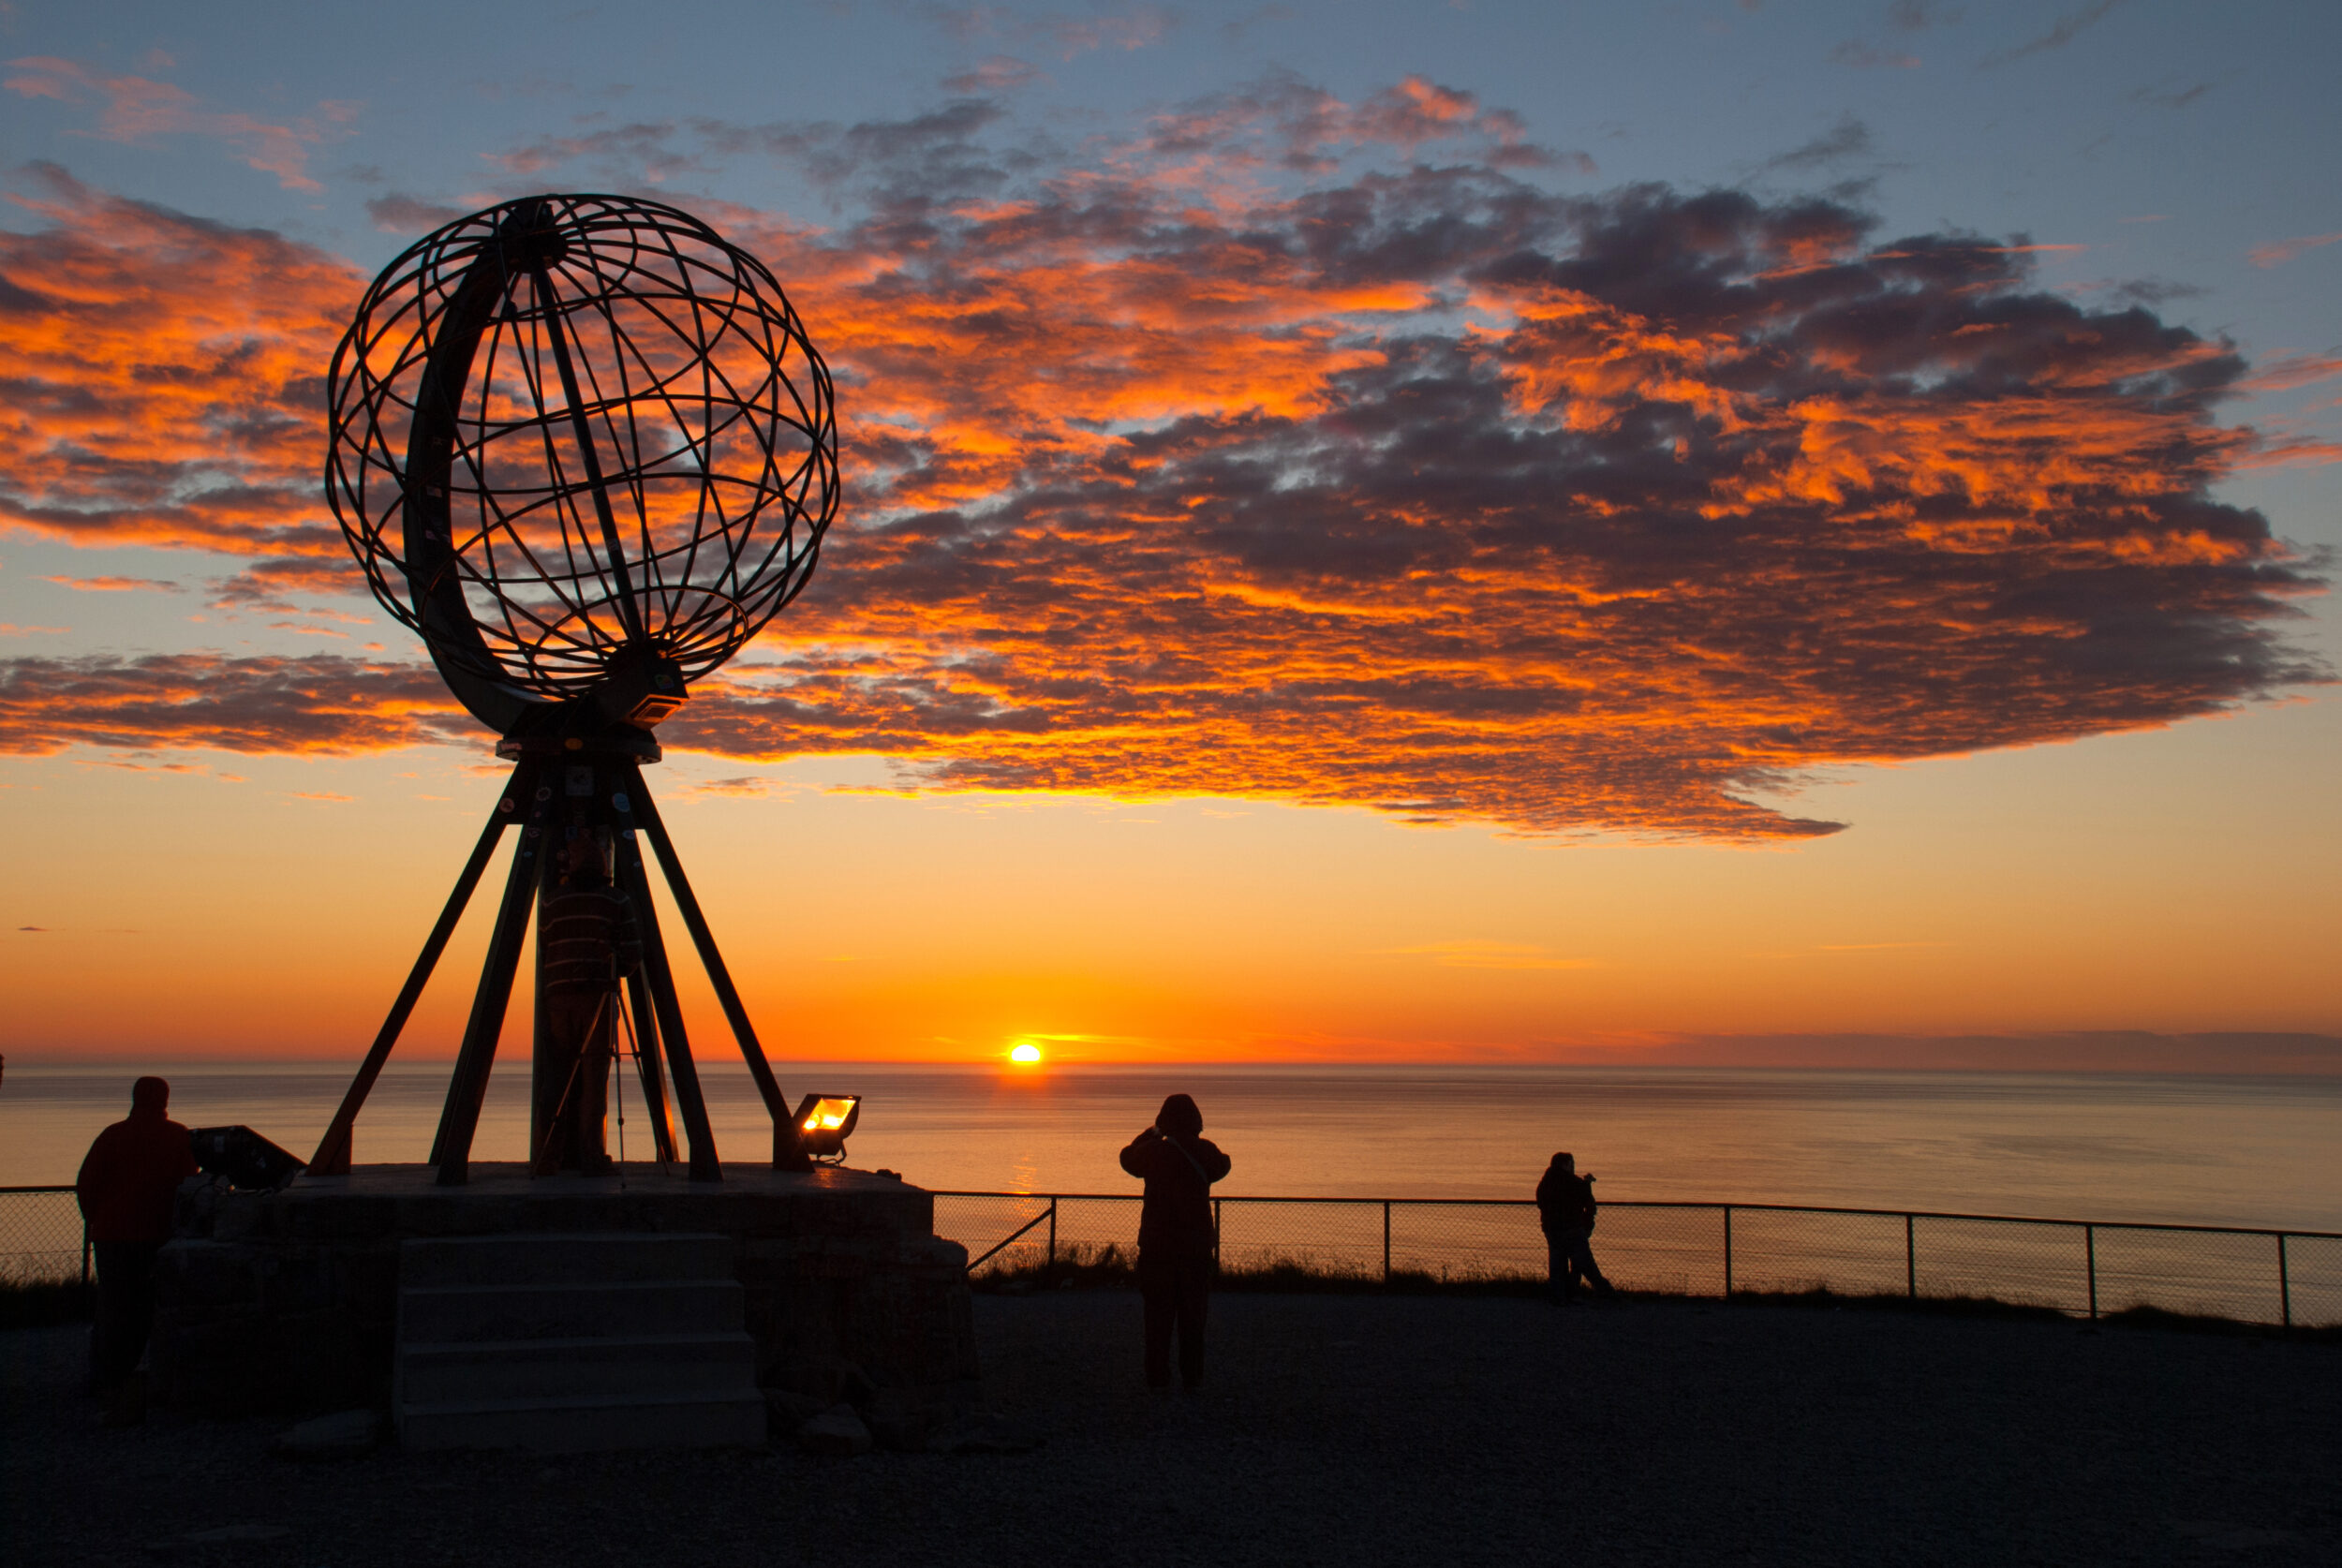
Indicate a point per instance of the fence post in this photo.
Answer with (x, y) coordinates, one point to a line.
(85, 1251)
(1215, 1233)
(1727, 1251)
(2285, 1286)
(2090, 1257)
(1910, 1262)
(1053, 1233)
(1386, 1242)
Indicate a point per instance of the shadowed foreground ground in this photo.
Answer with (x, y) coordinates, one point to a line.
(1336, 1429)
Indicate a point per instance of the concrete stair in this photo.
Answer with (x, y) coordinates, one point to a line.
(571, 1343)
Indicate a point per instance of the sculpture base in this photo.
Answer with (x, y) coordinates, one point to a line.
(289, 1300)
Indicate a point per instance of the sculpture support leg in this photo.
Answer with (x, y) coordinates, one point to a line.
(785, 1151)
(333, 1149)
(452, 1149)
(702, 1137)
(647, 1064)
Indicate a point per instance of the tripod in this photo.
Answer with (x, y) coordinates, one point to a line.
(593, 783)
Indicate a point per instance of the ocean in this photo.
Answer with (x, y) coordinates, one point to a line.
(2257, 1151)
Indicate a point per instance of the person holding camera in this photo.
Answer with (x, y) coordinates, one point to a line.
(1177, 1240)
(1565, 1211)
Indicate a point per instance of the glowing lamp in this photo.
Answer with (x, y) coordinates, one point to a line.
(824, 1121)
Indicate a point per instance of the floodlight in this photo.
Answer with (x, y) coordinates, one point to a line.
(823, 1121)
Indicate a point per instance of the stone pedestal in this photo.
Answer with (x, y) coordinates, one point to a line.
(288, 1301)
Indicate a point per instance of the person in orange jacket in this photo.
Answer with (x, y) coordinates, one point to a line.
(126, 1186)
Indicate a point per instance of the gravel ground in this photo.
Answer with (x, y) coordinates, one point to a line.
(1334, 1429)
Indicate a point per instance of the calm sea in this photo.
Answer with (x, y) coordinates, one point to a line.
(2211, 1150)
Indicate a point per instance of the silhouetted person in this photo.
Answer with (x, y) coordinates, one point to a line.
(1176, 1237)
(1565, 1211)
(127, 1185)
(588, 941)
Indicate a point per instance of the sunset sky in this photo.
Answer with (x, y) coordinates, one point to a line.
(1540, 532)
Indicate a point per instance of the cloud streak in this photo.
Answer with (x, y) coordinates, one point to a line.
(2060, 32)
(115, 585)
(134, 108)
(2276, 253)
(323, 704)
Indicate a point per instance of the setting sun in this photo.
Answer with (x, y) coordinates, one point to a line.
(1025, 1054)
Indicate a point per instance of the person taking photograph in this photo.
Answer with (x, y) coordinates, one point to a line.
(1177, 1240)
(1565, 1208)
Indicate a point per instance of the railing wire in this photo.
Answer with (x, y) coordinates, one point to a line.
(2086, 1268)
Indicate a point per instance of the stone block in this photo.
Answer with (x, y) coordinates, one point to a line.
(625, 1366)
(786, 1410)
(588, 1426)
(462, 1312)
(834, 1269)
(295, 1279)
(349, 1434)
(208, 1274)
(836, 1433)
(900, 1420)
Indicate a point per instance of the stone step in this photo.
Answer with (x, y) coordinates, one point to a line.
(438, 1313)
(587, 1424)
(573, 1341)
(564, 1257)
(636, 1366)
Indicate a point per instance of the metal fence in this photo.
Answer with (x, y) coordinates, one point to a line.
(42, 1236)
(2083, 1267)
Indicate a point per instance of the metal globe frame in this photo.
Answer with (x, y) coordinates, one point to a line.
(574, 437)
(584, 447)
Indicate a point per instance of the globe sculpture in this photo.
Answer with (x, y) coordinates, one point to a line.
(582, 446)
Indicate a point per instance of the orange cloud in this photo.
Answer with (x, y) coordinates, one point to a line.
(115, 585)
(161, 377)
(1422, 489)
(1283, 121)
(2289, 371)
(1717, 493)
(319, 704)
(2293, 451)
(1133, 30)
(2278, 252)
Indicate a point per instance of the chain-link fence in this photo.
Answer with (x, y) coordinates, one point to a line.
(2086, 1268)
(42, 1240)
